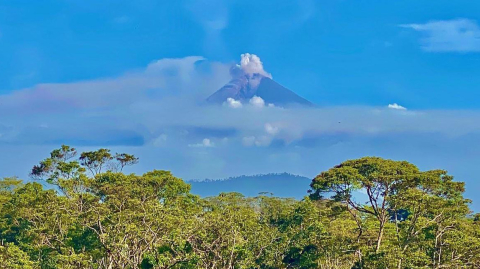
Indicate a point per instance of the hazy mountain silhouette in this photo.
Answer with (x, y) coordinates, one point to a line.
(281, 185)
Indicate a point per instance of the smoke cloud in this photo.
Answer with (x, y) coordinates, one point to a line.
(251, 64)
(251, 69)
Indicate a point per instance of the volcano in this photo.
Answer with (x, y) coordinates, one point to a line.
(241, 89)
(250, 80)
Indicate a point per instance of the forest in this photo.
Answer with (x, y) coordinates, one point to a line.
(96, 216)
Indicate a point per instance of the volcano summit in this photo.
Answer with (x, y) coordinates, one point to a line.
(249, 79)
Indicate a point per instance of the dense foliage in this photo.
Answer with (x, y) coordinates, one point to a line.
(99, 217)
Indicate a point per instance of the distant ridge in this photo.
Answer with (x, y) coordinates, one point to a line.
(279, 184)
(257, 176)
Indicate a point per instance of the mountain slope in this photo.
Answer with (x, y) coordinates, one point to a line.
(281, 185)
(243, 88)
(274, 93)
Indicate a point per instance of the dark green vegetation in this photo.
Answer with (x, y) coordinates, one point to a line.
(101, 218)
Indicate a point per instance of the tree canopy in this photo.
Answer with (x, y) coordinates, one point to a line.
(364, 213)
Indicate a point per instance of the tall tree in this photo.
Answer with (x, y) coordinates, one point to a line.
(380, 179)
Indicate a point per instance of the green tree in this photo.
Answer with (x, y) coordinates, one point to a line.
(95, 161)
(410, 211)
(380, 179)
(12, 257)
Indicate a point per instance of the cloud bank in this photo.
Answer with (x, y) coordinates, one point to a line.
(166, 97)
(158, 113)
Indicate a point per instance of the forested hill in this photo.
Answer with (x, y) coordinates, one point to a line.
(278, 184)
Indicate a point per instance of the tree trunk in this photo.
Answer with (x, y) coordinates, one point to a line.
(380, 234)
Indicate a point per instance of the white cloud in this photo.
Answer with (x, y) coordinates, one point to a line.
(396, 106)
(206, 143)
(261, 140)
(459, 35)
(251, 64)
(230, 102)
(161, 78)
(134, 107)
(257, 101)
(271, 129)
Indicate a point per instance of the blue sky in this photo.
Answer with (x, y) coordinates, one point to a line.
(332, 52)
(127, 75)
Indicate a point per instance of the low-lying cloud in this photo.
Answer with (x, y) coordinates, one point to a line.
(168, 95)
(158, 113)
(230, 102)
